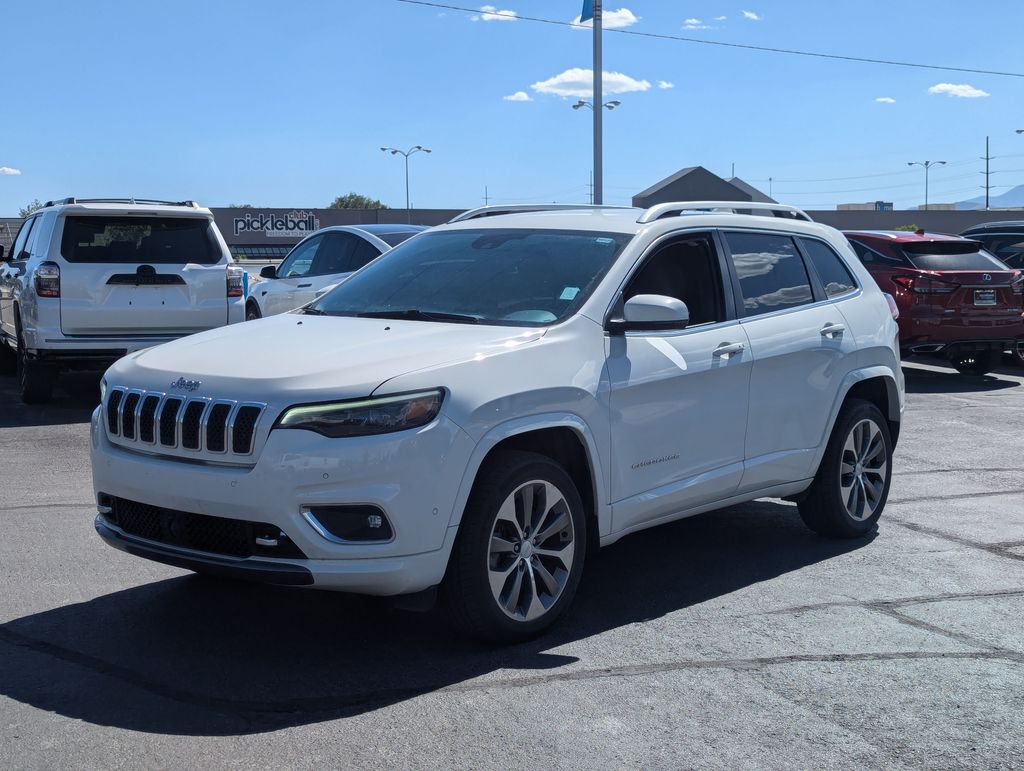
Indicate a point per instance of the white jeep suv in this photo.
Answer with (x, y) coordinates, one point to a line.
(486, 404)
(90, 280)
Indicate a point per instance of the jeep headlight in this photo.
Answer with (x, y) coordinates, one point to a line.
(363, 417)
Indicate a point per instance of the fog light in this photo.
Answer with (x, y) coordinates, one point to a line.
(350, 524)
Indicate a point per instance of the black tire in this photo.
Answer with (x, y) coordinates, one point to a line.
(35, 379)
(466, 592)
(977, 363)
(8, 359)
(826, 507)
(252, 311)
(1017, 354)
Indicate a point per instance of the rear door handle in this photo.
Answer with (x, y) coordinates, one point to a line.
(830, 330)
(727, 349)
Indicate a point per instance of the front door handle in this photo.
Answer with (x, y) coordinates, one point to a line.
(727, 349)
(304, 286)
(832, 330)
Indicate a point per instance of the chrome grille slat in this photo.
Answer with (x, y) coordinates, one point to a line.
(181, 426)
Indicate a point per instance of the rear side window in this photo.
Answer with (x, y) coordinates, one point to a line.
(394, 239)
(152, 240)
(835, 276)
(771, 272)
(21, 241)
(950, 255)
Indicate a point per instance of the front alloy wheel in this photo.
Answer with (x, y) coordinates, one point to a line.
(532, 550)
(520, 550)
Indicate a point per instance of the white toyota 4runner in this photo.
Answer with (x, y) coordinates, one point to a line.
(90, 280)
(486, 404)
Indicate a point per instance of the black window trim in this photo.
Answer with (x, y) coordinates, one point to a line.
(614, 310)
(817, 293)
(816, 283)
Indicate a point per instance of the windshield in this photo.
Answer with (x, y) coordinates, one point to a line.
(951, 255)
(153, 240)
(508, 277)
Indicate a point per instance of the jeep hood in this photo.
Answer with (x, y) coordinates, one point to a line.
(295, 357)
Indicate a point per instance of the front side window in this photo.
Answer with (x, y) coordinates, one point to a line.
(686, 270)
(771, 272)
(300, 260)
(509, 277)
(334, 254)
(125, 239)
(835, 276)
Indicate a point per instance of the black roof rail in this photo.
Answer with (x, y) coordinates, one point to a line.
(72, 200)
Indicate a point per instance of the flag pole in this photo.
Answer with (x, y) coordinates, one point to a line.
(598, 108)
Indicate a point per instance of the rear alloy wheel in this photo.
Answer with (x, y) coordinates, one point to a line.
(977, 362)
(520, 550)
(852, 484)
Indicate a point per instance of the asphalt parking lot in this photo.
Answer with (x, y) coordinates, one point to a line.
(735, 639)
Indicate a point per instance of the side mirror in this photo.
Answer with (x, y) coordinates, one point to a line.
(653, 312)
(269, 271)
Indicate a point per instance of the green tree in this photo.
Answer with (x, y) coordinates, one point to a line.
(240, 206)
(29, 209)
(907, 228)
(355, 201)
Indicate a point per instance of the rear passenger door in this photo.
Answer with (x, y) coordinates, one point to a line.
(802, 351)
(11, 272)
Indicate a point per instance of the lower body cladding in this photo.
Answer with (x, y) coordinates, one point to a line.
(371, 515)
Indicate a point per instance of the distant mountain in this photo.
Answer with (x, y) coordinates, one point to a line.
(1011, 199)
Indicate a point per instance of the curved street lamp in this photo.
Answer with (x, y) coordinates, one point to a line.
(406, 153)
(927, 165)
(608, 105)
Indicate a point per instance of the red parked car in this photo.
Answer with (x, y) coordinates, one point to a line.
(954, 298)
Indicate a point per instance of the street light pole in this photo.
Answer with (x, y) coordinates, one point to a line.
(596, 185)
(927, 166)
(598, 116)
(406, 153)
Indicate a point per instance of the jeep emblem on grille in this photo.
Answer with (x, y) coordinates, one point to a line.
(186, 385)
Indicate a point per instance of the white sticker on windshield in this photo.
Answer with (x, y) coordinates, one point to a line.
(569, 293)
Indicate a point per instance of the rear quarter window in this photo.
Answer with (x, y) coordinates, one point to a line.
(133, 240)
(832, 271)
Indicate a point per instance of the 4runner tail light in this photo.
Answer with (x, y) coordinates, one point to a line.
(47, 280)
(923, 285)
(236, 287)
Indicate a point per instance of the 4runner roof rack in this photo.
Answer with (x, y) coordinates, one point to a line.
(736, 207)
(73, 200)
(518, 208)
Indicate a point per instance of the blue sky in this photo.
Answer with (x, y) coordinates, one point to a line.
(287, 104)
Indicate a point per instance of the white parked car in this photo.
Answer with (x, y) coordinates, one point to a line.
(493, 400)
(90, 280)
(319, 262)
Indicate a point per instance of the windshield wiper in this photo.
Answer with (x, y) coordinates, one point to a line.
(311, 311)
(416, 314)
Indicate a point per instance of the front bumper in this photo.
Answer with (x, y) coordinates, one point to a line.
(413, 477)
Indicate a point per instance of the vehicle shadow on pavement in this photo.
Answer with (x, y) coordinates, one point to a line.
(193, 656)
(929, 381)
(74, 398)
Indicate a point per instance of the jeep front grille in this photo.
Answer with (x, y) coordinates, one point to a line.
(154, 420)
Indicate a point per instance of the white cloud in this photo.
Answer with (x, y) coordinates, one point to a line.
(962, 90)
(610, 20)
(751, 15)
(7, 170)
(721, 18)
(695, 24)
(886, 100)
(666, 84)
(491, 13)
(518, 96)
(579, 82)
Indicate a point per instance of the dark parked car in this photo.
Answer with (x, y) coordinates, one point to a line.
(1004, 239)
(954, 297)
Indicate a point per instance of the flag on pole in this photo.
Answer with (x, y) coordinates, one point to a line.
(588, 11)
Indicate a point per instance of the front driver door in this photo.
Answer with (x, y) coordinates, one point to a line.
(278, 295)
(678, 399)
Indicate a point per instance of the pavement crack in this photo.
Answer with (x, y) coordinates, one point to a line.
(902, 601)
(955, 497)
(992, 548)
